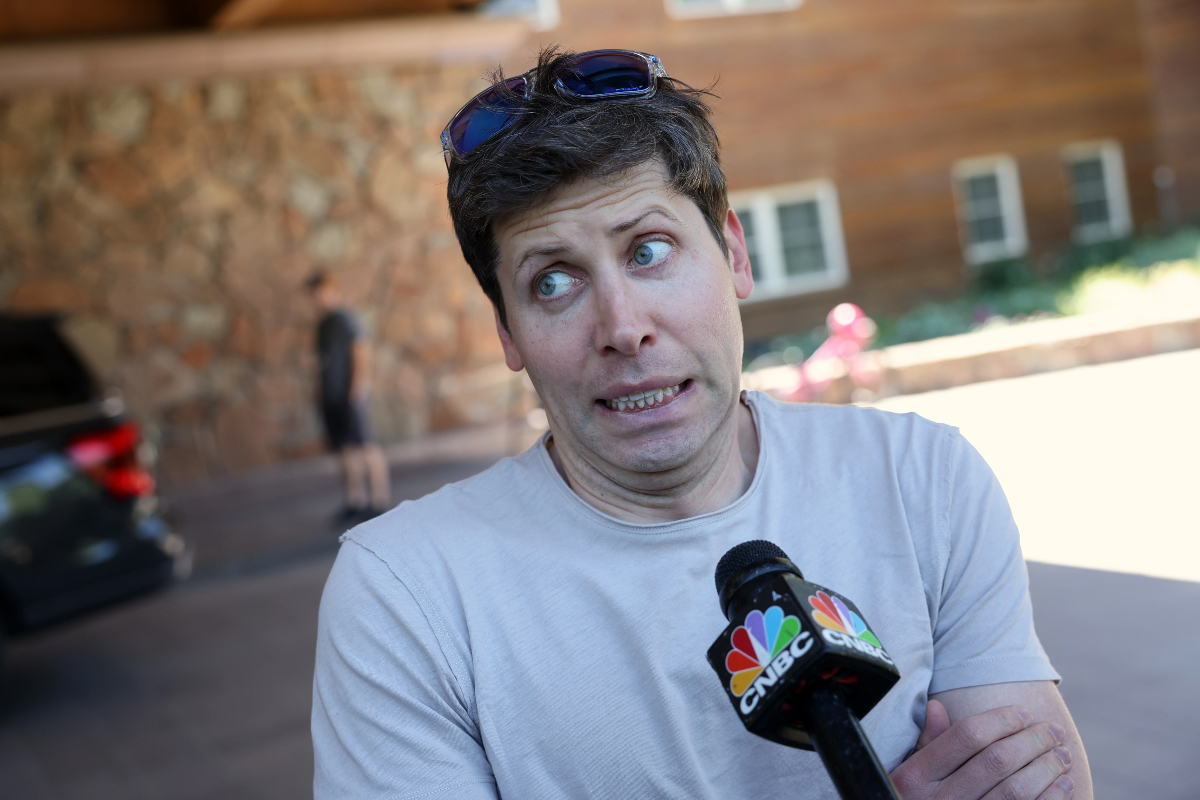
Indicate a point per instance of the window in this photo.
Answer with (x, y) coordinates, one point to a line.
(794, 235)
(1099, 201)
(543, 15)
(720, 8)
(990, 216)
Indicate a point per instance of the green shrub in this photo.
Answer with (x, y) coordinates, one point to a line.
(1161, 270)
(1143, 251)
(1125, 286)
(1183, 244)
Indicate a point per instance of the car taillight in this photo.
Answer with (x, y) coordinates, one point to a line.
(110, 459)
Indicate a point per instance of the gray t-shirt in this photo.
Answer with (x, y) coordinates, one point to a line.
(336, 334)
(501, 637)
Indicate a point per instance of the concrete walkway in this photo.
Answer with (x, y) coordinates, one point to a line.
(1101, 464)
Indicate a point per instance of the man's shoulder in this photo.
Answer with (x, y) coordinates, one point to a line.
(826, 444)
(816, 422)
(347, 320)
(458, 515)
(339, 319)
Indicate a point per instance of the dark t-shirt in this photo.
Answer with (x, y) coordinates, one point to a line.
(336, 334)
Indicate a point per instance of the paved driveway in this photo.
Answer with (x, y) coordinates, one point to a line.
(1101, 464)
(201, 692)
(204, 691)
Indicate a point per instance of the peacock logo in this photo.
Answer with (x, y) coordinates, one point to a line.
(756, 642)
(833, 614)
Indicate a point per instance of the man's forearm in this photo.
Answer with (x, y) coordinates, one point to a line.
(1044, 702)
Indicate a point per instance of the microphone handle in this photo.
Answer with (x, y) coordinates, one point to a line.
(839, 740)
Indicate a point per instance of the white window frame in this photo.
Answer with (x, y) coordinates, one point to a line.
(543, 16)
(1116, 192)
(774, 281)
(547, 16)
(1012, 211)
(724, 8)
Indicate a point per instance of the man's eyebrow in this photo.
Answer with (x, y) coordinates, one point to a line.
(548, 250)
(621, 227)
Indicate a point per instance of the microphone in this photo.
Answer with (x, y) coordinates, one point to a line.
(801, 666)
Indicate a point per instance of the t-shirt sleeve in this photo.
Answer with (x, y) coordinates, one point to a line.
(352, 326)
(390, 717)
(983, 633)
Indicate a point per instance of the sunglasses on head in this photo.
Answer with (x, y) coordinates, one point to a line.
(594, 75)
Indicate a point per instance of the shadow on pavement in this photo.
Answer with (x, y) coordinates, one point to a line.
(271, 520)
(1128, 647)
(201, 692)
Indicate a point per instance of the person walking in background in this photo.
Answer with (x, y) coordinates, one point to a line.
(344, 385)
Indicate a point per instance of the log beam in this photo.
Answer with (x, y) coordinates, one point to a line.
(242, 14)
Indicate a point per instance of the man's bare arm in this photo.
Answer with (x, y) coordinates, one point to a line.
(1043, 700)
(1004, 741)
(360, 380)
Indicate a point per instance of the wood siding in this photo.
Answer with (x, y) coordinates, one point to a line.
(1172, 31)
(37, 20)
(882, 97)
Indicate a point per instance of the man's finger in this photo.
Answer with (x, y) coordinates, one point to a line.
(1045, 779)
(937, 722)
(1028, 760)
(968, 737)
(1061, 789)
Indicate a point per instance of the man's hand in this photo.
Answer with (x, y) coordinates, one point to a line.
(1001, 754)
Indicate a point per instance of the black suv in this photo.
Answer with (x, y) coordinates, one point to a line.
(78, 521)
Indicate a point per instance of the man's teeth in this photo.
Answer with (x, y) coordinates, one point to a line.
(647, 399)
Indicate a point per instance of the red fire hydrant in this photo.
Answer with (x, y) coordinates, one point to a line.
(850, 332)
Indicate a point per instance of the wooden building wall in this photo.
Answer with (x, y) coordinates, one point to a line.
(882, 97)
(1172, 34)
(49, 20)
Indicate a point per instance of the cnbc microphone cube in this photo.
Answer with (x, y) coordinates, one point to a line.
(800, 664)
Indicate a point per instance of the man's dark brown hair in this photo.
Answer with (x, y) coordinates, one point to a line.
(556, 140)
(318, 279)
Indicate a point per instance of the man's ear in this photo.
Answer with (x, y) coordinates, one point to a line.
(739, 256)
(511, 357)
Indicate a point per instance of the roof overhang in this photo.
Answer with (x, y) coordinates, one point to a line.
(440, 38)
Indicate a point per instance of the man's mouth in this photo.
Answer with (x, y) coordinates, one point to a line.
(646, 399)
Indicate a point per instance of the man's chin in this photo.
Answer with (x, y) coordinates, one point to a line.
(655, 456)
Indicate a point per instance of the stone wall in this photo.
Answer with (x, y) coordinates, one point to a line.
(174, 225)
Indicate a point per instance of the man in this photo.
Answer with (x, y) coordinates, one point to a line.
(344, 385)
(539, 631)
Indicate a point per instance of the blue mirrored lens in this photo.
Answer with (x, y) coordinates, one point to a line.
(485, 116)
(607, 73)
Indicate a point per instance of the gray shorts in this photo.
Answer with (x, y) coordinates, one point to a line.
(346, 424)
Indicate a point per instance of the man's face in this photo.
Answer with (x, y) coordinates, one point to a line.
(617, 289)
(325, 296)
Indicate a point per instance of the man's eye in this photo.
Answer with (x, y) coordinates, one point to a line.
(553, 284)
(649, 252)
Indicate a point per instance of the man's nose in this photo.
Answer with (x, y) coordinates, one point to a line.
(625, 325)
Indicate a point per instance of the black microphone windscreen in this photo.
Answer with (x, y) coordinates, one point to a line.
(744, 555)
